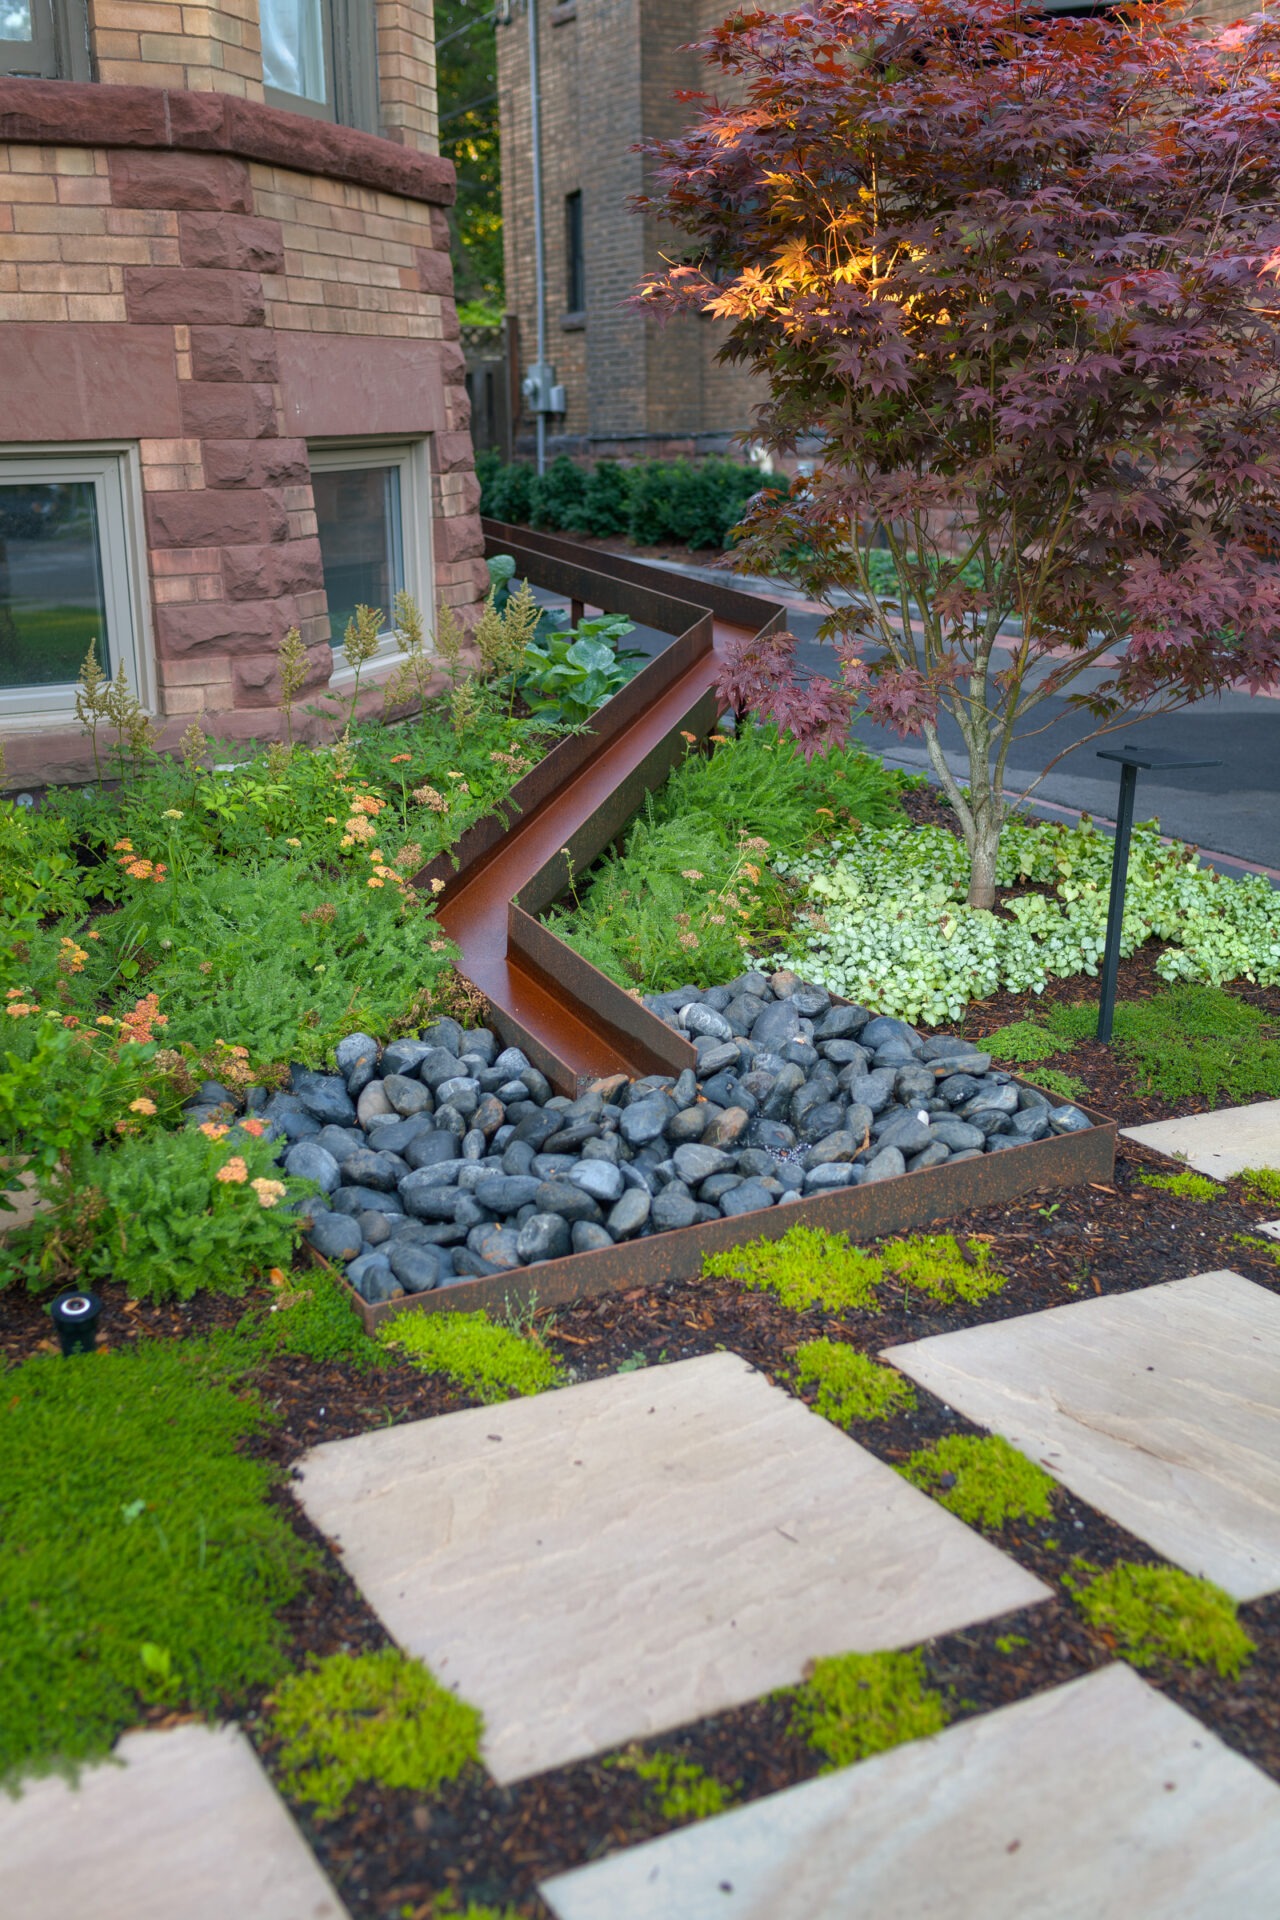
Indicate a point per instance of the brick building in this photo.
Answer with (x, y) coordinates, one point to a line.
(232, 397)
(609, 71)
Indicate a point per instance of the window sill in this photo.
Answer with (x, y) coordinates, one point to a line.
(566, 11)
(573, 322)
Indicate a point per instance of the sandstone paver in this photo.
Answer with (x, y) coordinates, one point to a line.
(1161, 1408)
(1099, 1800)
(188, 1828)
(602, 1562)
(1220, 1144)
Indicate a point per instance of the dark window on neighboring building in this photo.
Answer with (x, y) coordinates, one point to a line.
(575, 276)
(44, 40)
(321, 57)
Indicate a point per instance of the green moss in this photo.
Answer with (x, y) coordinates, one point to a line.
(943, 1267)
(1024, 1041)
(375, 1717)
(807, 1267)
(1190, 1042)
(983, 1481)
(1068, 1085)
(447, 1908)
(680, 1789)
(313, 1318)
(1255, 1243)
(1010, 1642)
(488, 1361)
(850, 1386)
(140, 1559)
(1187, 1186)
(1161, 1613)
(1262, 1183)
(856, 1704)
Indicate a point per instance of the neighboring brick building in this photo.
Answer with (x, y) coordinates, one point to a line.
(231, 393)
(609, 71)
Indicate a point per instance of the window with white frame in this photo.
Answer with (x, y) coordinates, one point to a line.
(373, 521)
(69, 575)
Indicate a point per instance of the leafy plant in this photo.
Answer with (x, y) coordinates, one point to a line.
(851, 1386)
(984, 1481)
(692, 890)
(917, 223)
(312, 1318)
(1068, 1085)
(571, 674)
(487, 1361)
(140, 1559)
(1160, 1613)
(856, 1704)
(166, 1214)
(376, 1717)
(884, 921)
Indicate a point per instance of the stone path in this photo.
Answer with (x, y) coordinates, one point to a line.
(187, 1828)
(601, 1563)
(1161, 1408)
(1100, 1800)
(1219, 1144)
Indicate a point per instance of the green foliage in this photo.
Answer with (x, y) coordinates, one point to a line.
(946, 1269)
(850, 1385)
(166, 1214)
(467, 92)
(376, 1717)
(1262, 1183)
(557, 496)
(1193, 1042)
(888, 924)
(806, 1267)
(652, 501)
(1160, 1613)
(856, 1704)
(1024, 1041)
(487, 1361)
(1069, 1085)
(139, 1558)
(62, 1090)
(692, 890)
(984, 1482)
(287, 961)
(681, 1789)
(312, 1318)
(809, 1267)
(1187, 1186)
(572, 673)
(39, 872)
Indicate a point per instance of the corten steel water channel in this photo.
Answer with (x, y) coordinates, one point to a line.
(575, 1023)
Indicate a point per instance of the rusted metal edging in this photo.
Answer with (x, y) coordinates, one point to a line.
(668, 1051)
(863, 1213)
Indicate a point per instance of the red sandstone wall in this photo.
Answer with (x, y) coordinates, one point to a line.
(235, 282)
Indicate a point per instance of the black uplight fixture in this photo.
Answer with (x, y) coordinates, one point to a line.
(76, 1316)
(1132, 761)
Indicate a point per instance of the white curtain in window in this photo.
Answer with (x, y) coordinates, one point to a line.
(15, 20)
(293, 47)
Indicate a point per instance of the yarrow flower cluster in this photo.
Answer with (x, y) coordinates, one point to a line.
(71, 958)
(428, 797)
(269, 1192)
(234, 1172)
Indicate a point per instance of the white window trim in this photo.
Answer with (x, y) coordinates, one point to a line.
(116, 471)
(413, 459)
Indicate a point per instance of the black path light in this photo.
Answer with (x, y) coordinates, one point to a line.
(75, 1317)
(1132, 761)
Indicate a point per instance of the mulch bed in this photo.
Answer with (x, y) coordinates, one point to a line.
(393, 1854)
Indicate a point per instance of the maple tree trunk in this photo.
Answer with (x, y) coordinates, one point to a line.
(979, 806)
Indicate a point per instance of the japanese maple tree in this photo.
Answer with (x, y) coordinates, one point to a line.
(1015, 278)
